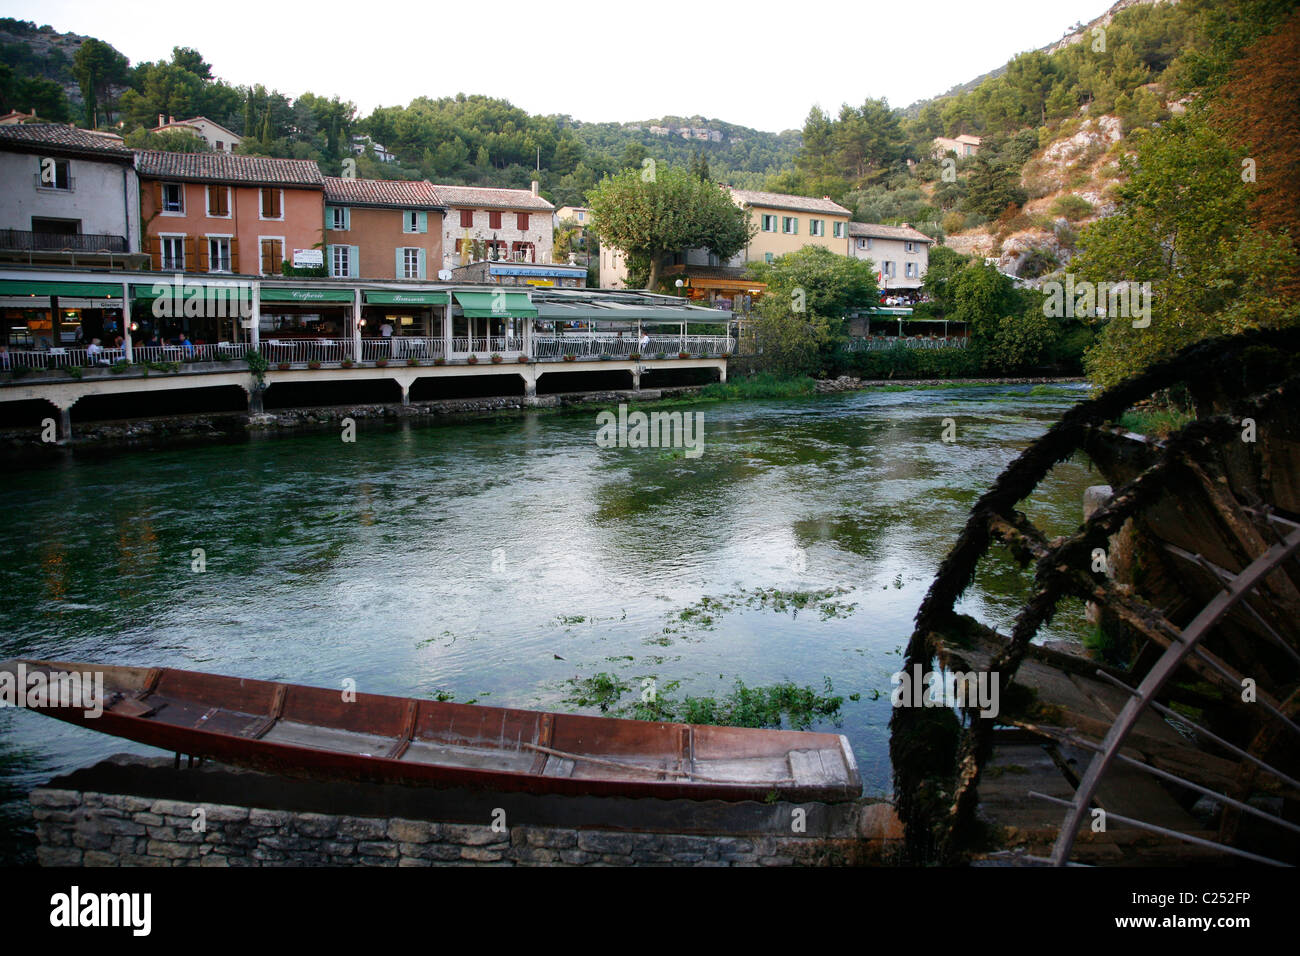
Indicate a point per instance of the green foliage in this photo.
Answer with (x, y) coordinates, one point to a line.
(257, 365)
(656, 211)
(171, 141)
(760, 385)
(944, 264)
(1072, 207)
(1183, 226)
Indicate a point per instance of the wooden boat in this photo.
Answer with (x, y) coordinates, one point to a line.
(312, 731)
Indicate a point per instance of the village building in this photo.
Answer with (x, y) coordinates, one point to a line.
(211, 132)
(495, 224)
(963, 145)
(901, 254)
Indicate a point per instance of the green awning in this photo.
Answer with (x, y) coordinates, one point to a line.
(72, 290)
(306, 295)
(407, 298)
(488, 305)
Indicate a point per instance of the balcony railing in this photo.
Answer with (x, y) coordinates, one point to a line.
(549, 346)
(876, 343)
(24, 241)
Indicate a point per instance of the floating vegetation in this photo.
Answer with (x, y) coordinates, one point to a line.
(704, 612)
(774, 705)
(569, 620)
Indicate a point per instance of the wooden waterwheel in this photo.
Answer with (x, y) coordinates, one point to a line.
(1187, 747)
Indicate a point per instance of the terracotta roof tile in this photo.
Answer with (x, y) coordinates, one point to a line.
(381, 192)
(58, 138)
(229, 168)
(752, 197)
(481, 197)
(887, 232)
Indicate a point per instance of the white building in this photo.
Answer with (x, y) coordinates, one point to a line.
(214, 134)
(901, 254)
(68, 192)
(515, 224)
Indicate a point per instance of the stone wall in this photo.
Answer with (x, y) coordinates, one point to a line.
(87, 827)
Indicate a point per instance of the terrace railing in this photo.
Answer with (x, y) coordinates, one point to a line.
(878, 343)
(23, 241)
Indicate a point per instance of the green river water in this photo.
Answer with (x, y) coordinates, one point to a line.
(505, 561)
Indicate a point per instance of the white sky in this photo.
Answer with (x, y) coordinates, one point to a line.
(758, 63)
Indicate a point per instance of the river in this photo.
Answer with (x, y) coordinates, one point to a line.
(510, 561)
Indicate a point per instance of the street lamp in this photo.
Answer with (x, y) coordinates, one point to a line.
(679, 283)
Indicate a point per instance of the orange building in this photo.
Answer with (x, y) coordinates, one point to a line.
(382, 229)
(219, 212)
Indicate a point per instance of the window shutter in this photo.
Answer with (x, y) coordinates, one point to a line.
(421, 272)
(347, 218)
(157, 196)
(494, 220)
(522, 220)
(398, 263)
(203, 255)
(189, 246)
(424, 222)
(466, 219)
(153, 246)
(354, 262)
(234, 254)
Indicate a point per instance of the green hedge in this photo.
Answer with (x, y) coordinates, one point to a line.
(902, 362)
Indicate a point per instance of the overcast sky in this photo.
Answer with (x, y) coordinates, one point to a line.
(757, 63)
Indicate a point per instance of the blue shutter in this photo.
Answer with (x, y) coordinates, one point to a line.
(422, 275)
(397, 263)
(354, 262)
(424, 222)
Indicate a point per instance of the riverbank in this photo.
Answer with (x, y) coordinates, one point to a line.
(847, 383)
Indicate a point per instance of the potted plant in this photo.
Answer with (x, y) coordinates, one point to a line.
(282, 366)
(523, 360)
(683, 354)
(472, 360)
(412, 361)
(659, 355)
(381, 363)
(496, 359)
(346, 363)
(570, 358)
(440, 361)
(313, 364)
(634, 356)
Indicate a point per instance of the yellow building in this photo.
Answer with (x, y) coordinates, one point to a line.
(788, 223)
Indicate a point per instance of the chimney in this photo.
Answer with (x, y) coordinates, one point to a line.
(536, 184)
(170, 120)
(162, 120)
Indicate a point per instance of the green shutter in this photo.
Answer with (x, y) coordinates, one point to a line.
(422, 264)
(354, 262)
(397, 263)
(424, 222)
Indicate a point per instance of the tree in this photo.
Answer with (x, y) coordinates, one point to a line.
(1183, 227)
(98, 68)
(943, 265)
(656, 211)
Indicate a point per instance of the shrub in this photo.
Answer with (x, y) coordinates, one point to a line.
(954, 222)
(1071, 207)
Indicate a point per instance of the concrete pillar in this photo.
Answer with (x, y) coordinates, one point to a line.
(636, 380)
(530, 377)
(65, 423)
(255, 328)
(446, 330)
(406, 394)
(126, 323)
(722, 371)
(356, 325)
(255, 401)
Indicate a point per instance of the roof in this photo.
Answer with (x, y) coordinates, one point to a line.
(752, 197)
(887, 232)
(481, 197)
(381, 192)
(229, 168)
(59, 139)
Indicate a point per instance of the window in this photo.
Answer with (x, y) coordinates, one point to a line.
(55, 174)
(910, 270)
(580, 216)
(411, 264)
(173, 198)
(839, 231)
(339, 219)
(219, 202)
(466, 218)
(887, 269)
(340, 261)
(816, 227)
(868, 243)
(218, 253)
(768, 257)
(172, 249)
(494, 220)
(911, 247)
(272, 251)
(521, 220)
(769, 223)
(414, 221)
(790, 225)
(272, 204)
(862, 243)
(220, 145)
(523, 252)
